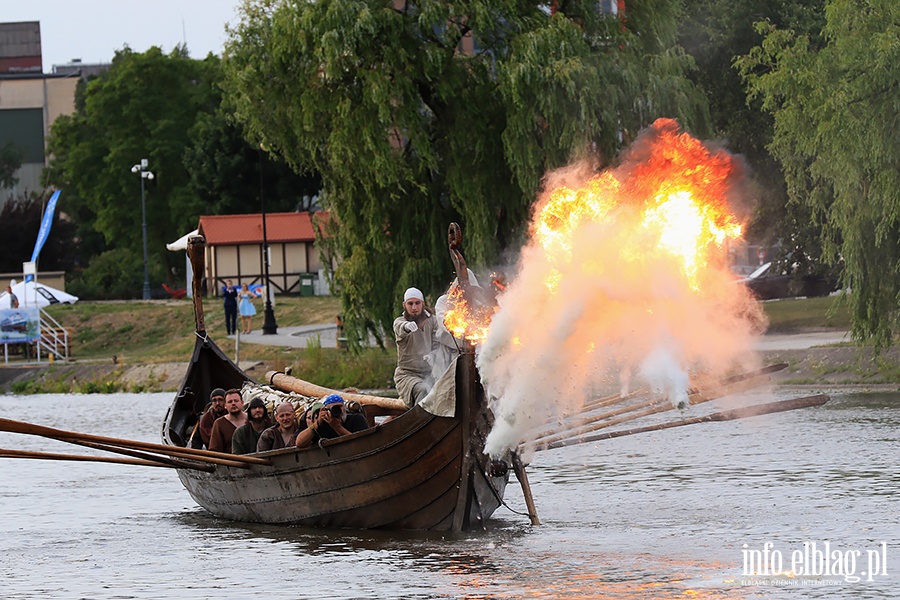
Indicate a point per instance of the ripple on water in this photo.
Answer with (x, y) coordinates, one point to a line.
(663, 515)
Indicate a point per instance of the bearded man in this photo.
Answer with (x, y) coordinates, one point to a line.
(214, 410)
(224, 427)
(414, 333)
(246, 436)
(284, 433)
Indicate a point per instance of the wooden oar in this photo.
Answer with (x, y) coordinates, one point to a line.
(5, 453)
(207, 456)
(162, 460)
(614, 399)
(288, 383)
(725, 415)
(582, 417)
(522, 476)
(652, 407)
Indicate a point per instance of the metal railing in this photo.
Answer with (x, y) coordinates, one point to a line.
(54, 339)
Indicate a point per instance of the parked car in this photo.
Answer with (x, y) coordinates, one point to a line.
(767, 283)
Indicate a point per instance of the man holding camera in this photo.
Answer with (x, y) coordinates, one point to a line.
(332, 421)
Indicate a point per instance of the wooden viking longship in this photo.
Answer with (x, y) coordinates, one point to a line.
(416, 471)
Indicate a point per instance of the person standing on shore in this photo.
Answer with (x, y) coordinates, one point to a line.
(13, 299)
(229, 297)
(246, 307)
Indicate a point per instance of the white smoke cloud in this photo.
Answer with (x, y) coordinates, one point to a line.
(622, 312)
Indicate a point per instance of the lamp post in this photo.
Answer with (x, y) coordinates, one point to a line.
(270, 327)
(145, 174)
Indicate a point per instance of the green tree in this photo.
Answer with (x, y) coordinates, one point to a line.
(421, 113)
(142, 107)
(836, 123)
(224, 171)
(715, 33)
(20, 221)
(10, 161)
(113, 274)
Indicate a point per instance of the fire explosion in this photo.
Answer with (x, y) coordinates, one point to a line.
(625, 276)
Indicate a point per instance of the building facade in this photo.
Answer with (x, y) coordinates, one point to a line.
(234, 250)
(29, 102)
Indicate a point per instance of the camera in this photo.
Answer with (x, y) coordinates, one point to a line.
(336, 411)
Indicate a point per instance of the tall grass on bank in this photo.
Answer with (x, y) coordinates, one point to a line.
(372, 368)
(794, 315)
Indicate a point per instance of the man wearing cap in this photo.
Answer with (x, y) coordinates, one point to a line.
(332, 421)
(246, 436)
(414, 333)
(214, 410)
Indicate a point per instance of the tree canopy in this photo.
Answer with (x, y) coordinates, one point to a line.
(836, 119)
(165, 108)
(142, 107)
(715, 33)
(10, 161)
(224, 172)
(421, 113)
(20, 221)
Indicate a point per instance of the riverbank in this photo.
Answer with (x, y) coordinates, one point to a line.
(818, 368)
(142, 346)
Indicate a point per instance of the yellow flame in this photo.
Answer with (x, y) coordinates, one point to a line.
(465, 321)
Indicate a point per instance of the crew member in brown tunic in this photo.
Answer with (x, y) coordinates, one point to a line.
(224, 427)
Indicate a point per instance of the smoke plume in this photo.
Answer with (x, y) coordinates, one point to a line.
(624, 282)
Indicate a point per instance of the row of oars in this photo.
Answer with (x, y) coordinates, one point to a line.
(141, 453)
(638, 404)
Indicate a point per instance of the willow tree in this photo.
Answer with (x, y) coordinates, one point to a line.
(836, 122)
(421, 113)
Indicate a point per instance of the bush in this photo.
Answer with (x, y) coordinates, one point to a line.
(116, 274)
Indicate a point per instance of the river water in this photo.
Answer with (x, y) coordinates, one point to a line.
(672, 514)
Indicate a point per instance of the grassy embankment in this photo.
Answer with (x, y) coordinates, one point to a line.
(807, 314)
(138, 332)
(837, 365)
(156, 332)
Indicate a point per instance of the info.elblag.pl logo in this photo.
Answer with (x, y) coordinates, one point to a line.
(816, 563)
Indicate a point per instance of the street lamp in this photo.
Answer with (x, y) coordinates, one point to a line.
(145, 174)
(270, 327)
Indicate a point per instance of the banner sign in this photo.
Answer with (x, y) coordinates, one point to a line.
(20, 325)
(44, 231)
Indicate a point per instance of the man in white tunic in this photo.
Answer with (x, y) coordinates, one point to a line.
(414, 333)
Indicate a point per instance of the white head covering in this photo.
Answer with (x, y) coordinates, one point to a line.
(413, 293)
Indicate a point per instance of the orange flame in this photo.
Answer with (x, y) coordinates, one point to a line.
(672, 202)
(464, 319)
(667, 206)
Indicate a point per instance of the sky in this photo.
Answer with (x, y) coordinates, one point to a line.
(93, 30)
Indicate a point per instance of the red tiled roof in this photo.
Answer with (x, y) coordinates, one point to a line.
(247, 229)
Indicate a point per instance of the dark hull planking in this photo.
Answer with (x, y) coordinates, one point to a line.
(415, 472)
